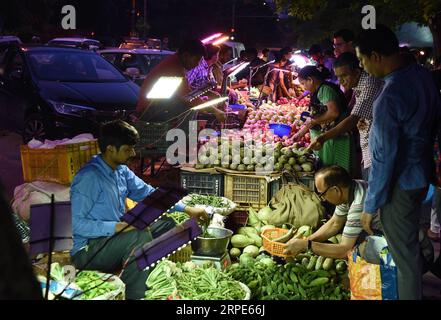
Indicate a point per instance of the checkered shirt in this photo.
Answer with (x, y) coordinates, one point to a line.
(200, 75)
(367, 90)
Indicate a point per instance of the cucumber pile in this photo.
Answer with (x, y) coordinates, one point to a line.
(292, 281)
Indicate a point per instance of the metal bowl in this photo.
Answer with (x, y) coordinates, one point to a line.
(215, 246)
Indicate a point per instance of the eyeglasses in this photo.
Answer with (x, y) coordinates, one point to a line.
(321, 195)
(338, 45)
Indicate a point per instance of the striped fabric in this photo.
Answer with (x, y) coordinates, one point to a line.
(353, 226)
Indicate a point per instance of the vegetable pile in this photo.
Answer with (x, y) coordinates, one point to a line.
(243, 155)
(207, 200)
(190, 282)
(292, 281)
(93, 284)
(178, 217)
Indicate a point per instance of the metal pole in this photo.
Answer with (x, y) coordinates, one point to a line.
(145, 18)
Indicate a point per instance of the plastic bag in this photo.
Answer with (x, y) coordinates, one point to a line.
(369, 281)
(296, 205)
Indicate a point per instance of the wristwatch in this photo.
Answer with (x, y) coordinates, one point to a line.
(309, 247)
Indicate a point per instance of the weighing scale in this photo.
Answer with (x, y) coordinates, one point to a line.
(220, 262)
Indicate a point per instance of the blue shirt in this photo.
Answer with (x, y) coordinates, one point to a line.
(401, 139)
(98, 195)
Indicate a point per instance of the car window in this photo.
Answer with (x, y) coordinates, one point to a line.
(16, 64)
(73, 67)
(111, 57)
(129, 60)
(151, 60)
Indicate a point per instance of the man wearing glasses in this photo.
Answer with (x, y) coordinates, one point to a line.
(335, 185)
(343, 42)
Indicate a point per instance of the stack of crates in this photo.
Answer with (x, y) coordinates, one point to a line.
(59, 164)
(249, 190)
(152, 138)
(203, 183)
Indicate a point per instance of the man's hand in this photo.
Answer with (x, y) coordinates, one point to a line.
(121, 225)
(362, 124)
(198, 213)
(295, 246)
(366, 220)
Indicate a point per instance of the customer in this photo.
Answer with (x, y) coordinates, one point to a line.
(343, 42)
(401, 144)
(328, 108)
(321, 59)
(335, 185)
(366, 90)
(101, 241)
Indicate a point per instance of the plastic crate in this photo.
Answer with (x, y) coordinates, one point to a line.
(203, 183)
(56, 165)
(236, 219)
(248, 190)
(152, 138)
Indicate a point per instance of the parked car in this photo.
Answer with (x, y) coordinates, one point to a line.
(84, 43)
(137, 43)
(53, 92)
(9, 40)
(135, 63)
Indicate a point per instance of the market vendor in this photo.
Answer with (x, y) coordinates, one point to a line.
(335, 185)
(98, 195)
(177, 65)
(328, 108)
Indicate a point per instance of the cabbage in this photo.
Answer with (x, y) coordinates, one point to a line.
(246, 260)
(265, 213)
(267, 262)
(251, 250)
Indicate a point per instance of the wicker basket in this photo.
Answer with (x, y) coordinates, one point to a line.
(274, 248)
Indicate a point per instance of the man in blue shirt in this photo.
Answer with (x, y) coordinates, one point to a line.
(98, 192)
(401, 143)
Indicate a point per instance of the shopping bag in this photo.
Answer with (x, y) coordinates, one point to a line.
(371, 281)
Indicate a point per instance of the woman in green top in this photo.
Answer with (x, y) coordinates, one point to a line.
(328, 107)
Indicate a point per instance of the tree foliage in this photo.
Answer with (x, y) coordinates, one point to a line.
(330, 15)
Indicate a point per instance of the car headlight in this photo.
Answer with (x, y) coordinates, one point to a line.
(71, 109)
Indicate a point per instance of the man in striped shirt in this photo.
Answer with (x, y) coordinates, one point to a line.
(335, 185)
(365, 90)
